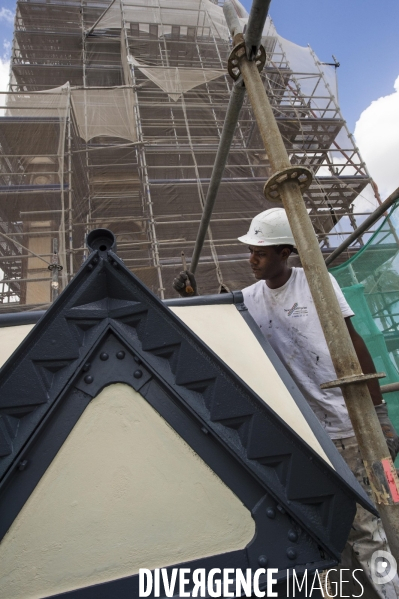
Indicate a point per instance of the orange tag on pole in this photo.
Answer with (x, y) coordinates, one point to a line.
(392, 478)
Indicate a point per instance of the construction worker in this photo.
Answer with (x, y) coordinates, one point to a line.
(281, 304)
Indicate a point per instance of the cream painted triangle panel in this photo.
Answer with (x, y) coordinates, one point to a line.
(224, 330)
(10, 338)
(124, 492)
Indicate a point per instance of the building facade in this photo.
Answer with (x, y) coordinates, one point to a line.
(113, 120)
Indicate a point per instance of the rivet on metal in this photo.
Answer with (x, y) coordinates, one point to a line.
(281, 509)
(136, 359)
(88, 379)
(262, 560)
(138, 374)
(292, 536)
(86, 367)
(204, 430)
(22, 465)
(291, 553)
(90, 267)
(270, 512)
(104, 356)
(120, 355)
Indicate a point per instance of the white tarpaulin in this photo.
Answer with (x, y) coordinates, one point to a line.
(104, 111)
(176, 80)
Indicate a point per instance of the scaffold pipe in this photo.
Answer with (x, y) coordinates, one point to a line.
(254, 35)
(369, 222)
(256, 23)
(232, 19)
(229, 126)
(377, 460)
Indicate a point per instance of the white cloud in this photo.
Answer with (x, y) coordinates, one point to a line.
(6, 15)
(4, 71)
(4, 74)
(376, 134)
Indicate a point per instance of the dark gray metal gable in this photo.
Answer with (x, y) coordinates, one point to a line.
(107, 327)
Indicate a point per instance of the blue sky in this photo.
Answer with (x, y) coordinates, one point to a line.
(363, 35)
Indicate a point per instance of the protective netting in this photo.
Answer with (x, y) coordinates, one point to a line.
(130, 143)
(370, 283)
(204, 16)
(176, 80)
(104, 112)
(33, 192)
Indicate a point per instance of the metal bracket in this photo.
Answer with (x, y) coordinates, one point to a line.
(301, 174)
(355, 378)
(237, 52)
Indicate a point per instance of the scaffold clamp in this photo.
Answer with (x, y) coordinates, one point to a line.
(301, 174)
(237, 52)
(354, 378)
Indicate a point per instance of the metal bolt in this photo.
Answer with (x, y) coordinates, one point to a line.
(262, 560)
(291, 553)
(88, 379)
(136, 359)
(86, 367)
(292, 536)
(104, 356)
(204, 430)
(138, 374)
(22, 465)
(270, 512)
(120, 355)
(281, 509)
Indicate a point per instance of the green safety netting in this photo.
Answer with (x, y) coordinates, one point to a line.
(370, 283)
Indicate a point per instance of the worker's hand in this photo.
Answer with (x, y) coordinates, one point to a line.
(185, 284)
(388, 429)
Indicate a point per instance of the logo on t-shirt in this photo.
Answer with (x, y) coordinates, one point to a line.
(297, 311)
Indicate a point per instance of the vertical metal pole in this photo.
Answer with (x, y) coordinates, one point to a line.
(376, 457)
(233, 110)
(55, 268)
(143, 166)
(70, 210)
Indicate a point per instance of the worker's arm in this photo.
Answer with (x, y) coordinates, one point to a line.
(367, 366)
(366, 362)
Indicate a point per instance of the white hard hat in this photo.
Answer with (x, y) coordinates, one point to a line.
(270, 227)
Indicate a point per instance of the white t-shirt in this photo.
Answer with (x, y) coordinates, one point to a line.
(288, 319)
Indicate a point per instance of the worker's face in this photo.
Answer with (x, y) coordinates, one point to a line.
(265, 262)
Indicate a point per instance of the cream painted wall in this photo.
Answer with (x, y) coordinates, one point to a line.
(124, 492)
(224, 330)
(10, 338)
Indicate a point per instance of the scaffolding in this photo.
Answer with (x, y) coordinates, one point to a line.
(113, 119)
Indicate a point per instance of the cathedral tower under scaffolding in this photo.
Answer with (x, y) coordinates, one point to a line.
(113, 119)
